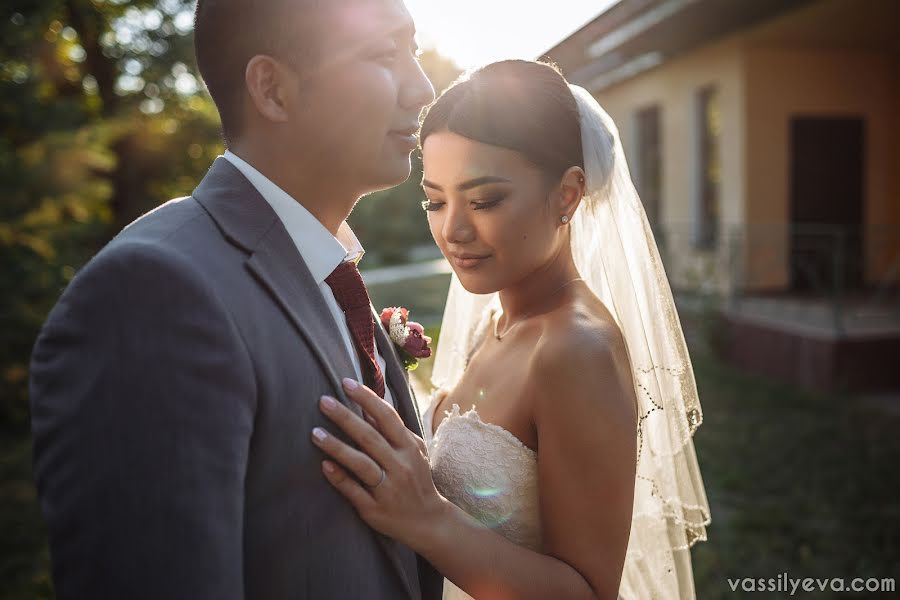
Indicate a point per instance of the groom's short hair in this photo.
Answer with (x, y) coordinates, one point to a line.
(228, 33)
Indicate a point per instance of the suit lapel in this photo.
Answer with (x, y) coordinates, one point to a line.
(396, 378)
(301, 299)
(248, 221)
(290, 283)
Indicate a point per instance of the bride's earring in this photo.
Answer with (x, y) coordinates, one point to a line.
(564, 219)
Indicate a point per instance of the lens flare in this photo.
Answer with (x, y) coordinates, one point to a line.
(486, 505)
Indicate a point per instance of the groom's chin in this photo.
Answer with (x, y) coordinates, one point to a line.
(391, 174)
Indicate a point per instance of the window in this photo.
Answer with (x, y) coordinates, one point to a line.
(709, 170)
(648, 162)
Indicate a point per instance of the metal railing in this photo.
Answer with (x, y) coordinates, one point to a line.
(828, 276)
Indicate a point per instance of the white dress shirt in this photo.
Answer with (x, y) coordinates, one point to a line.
(321, 251)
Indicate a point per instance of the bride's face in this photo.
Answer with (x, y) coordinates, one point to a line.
(492, 213)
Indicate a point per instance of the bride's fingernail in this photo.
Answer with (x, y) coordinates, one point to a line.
(329, 403)
(350, 384)
(320, 434)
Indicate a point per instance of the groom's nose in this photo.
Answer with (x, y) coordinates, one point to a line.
(417, 91)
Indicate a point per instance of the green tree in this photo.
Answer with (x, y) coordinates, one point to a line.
(102, 119)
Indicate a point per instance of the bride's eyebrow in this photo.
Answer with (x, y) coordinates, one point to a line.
(468, 185)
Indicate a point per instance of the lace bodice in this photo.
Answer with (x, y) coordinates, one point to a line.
(485, 470)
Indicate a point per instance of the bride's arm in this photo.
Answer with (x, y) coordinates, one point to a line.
(587, 436)
(586, 461)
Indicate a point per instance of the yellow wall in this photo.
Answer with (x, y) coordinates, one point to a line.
(673, 87)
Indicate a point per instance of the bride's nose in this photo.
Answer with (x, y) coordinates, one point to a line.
(458, 228)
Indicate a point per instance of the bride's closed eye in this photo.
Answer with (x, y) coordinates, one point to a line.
(484, 204)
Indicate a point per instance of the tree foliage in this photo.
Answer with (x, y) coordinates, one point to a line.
(102, 120)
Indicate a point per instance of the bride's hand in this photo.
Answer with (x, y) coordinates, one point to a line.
(406, 499)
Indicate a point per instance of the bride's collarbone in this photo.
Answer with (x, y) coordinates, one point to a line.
(495, 382)
(515, 347)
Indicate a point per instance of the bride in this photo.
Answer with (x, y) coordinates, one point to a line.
(558, 459)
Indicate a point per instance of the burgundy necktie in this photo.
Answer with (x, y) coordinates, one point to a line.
(350, 293)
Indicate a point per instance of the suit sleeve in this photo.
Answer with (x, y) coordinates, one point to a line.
(143, 398)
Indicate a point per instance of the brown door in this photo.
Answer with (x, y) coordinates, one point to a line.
(826, 203)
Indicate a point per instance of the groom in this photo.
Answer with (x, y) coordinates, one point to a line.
(175, 384)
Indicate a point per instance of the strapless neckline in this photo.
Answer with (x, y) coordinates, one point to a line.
(487, 471)
(472, 415)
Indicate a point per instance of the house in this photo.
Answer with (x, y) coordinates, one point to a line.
(764, 139)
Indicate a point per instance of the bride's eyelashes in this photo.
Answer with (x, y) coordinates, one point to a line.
(487, 203)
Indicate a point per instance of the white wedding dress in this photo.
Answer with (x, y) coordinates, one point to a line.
(488, 472)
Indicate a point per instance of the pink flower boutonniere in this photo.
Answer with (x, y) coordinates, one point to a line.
(408, 336)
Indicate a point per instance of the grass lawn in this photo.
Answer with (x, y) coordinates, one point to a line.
(799, 483)
(24, 557)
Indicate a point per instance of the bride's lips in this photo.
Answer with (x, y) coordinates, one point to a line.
(405, 137)
(468, 261)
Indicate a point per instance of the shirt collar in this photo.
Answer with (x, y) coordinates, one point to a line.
(321, 251)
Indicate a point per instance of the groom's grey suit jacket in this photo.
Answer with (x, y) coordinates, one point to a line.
(173, 391)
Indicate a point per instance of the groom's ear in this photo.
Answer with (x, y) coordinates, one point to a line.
(265, 79)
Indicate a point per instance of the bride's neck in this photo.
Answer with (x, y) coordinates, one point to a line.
(531, 293)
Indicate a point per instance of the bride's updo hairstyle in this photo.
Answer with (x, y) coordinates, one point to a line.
(520, 105)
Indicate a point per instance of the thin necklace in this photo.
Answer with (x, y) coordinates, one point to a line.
(530, 314)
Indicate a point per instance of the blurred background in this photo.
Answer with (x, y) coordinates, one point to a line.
(763, 135)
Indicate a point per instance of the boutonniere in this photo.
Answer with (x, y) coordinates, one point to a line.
(408, 336)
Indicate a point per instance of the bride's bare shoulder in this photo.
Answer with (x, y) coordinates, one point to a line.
(580, 351)
(584, 327)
